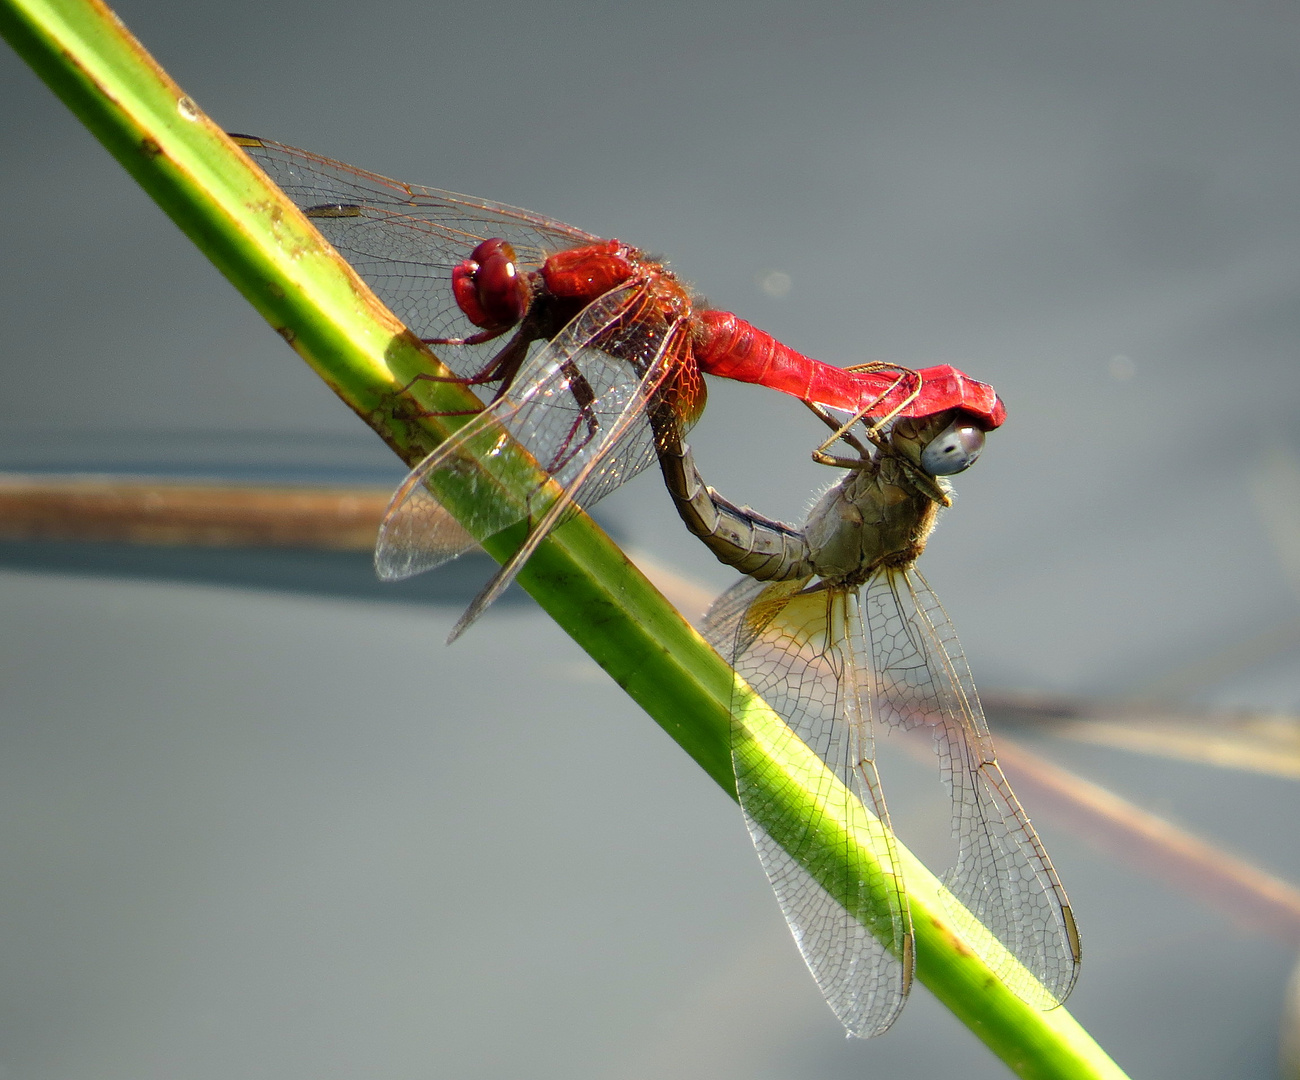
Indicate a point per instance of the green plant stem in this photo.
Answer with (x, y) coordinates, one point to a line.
(268, 251)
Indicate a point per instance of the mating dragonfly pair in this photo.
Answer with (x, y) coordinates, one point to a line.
(595, 354)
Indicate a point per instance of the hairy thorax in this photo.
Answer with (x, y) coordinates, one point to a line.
(871, 519)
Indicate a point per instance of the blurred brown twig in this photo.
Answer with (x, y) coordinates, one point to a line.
(137, 510)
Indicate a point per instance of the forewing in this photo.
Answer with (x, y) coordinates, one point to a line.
(1002, 875)
(418, 532)
(803, 653)
(405, 240)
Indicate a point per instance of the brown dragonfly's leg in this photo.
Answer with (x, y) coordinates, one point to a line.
(922, 479)
(840, 432)
(843, 431)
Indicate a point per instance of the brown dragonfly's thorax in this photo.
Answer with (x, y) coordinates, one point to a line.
(871, 518)
(882, 514)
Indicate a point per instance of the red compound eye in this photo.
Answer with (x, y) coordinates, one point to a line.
(489, 288)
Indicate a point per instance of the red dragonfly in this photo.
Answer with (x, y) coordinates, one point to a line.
(594, 349)
(839, 633)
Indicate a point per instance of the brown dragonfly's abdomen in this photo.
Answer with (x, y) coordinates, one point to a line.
(756, 545)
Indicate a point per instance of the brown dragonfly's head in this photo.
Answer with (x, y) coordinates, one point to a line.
(881, 513)
(936, 446)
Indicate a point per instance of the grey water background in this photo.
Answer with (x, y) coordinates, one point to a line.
(283, 831)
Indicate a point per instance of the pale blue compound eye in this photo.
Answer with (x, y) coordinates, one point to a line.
(953, 450)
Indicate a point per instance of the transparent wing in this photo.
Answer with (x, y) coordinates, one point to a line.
(577, 406)
(1002, 875)
(803, 652)
(405, 240)
(625, 449)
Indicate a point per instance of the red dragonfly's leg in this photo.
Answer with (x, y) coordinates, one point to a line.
(585, 397)
(473, 339)
(472, 380)
(421, 414)
(504, 366)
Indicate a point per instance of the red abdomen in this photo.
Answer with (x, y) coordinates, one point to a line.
(733, 349)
